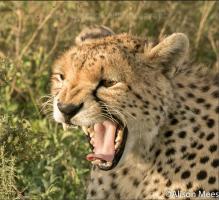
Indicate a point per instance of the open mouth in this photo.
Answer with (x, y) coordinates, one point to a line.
(107, 141)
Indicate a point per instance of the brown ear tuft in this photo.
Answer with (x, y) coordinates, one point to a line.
(92, 33)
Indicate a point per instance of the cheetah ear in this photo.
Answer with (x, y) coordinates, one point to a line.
(92, 33)
(170, 53)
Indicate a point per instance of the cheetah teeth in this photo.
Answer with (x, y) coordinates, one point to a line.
(84, 128)
(105, 164)
(92, 134)
(96, 162)
(89, 131)
(118, 139)
(101, 163)
(67, 126)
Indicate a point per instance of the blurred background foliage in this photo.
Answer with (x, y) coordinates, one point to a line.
(38, 160)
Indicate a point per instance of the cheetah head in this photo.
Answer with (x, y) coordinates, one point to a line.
(117, 88)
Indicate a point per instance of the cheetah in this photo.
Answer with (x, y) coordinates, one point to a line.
(150, 116)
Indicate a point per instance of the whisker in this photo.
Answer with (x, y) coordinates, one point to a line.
(48, 104)
(126, 112)
(111, 111)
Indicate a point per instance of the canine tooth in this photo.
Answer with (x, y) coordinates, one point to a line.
(117, 145)
(107, 164)
(85, 130)
(119, 136)
(118, 139)
(65, 126)
(120, 132)
(90, 129)
(96, 162)
(92, 134)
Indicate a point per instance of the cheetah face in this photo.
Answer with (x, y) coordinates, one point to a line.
(92, 85)
(89, 89)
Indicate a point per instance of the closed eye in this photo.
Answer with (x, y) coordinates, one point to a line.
(107, 83)
(104, 83)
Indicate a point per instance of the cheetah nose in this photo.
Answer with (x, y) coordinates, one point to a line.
(69, 110)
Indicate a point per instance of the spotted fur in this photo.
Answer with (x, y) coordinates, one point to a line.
(169, 105)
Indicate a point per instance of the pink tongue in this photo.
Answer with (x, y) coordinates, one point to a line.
(103, 141)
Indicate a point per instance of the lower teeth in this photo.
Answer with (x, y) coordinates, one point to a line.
(96, 162)
(106, 164)
(101, 163)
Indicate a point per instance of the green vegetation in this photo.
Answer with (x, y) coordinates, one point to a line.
(38, 160)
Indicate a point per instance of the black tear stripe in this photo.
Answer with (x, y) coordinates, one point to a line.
(97, 99)
(95, 93)
(101, 72)
(98, 86)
